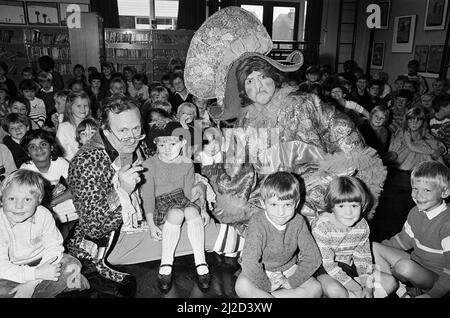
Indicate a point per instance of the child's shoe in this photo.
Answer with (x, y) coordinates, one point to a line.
(203, 280)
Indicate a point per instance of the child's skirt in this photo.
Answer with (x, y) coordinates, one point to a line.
(349, 270)
(167, 201)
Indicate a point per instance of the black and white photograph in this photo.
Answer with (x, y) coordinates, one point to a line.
(215, 155)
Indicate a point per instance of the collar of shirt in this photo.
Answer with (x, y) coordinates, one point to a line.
(184, 96)
(278, 227)
(436, 211)
(49, 91)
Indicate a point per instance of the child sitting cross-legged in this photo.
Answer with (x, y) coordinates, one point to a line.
(280, 255)
(32, 262)
(426, 232)
(342, 235)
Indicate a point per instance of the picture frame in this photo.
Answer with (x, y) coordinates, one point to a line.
(435, 58)
(12, 12)
(421, 54)
(385, 6)
(43, 13)
(435, 15)
(63, 10)
(377, 59)
(403, 35)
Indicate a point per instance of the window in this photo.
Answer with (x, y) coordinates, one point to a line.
(164, 16)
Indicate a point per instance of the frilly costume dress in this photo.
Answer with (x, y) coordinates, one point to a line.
(306, 130)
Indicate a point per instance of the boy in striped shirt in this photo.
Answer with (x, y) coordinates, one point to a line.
(38, 112)
(426, 232)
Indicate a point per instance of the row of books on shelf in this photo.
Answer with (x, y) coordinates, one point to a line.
(56, 53)
(6, 36)
(128, 53)
(36, 36)
(64, 68)
(141, 68)
(127, 37)
(173, 39)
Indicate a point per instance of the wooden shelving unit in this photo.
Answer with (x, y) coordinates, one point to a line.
(149, 51)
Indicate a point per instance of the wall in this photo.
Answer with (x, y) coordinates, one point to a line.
(329, 33)
(396, 63)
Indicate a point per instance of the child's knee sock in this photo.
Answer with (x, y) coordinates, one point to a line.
(196, 235)
(170, 237)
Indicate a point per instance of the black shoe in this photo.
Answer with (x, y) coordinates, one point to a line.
(165, 281)
(203, 280)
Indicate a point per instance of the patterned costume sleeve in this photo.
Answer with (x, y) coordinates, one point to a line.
(94, 196)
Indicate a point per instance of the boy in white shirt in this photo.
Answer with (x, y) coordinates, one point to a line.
(138, 90)
(32, 263)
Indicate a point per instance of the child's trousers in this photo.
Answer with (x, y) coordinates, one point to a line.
(70, 279)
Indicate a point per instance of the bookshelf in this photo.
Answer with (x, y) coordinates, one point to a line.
(21, 46)
(149, 51)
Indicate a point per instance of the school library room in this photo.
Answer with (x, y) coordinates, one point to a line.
(224, 149)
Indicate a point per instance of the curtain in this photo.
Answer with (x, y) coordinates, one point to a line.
(191, 14)
(108, 10)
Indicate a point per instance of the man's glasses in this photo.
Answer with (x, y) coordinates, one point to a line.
(128, 139)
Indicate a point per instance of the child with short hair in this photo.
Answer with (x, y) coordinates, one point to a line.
(426, 232)
(203, 113)
(352, 109)
(166, 195)
(16, 125)
(426, 101)
(76, 85)
(86, 130)
(28, 73)
(181, 94)
(96, 94)
(440, 123)
(402, 102)
(165, 80)
(77, 109)
(438, 87)
(413, 143)
(38, 111)
(60, 98)
(116, 86)
(413, 68)
(375, 132)
(342, 235)
(280, 255)
(32, 259)
(186, 116)
(138, 89)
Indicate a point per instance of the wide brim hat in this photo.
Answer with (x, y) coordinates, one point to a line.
(224, 40)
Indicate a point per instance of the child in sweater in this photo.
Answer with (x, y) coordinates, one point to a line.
(426, 231)
(342, 235)
(16, 125)
(32, 263)
(38, 111)
(413, 143)
(280, 255)
(167, 203)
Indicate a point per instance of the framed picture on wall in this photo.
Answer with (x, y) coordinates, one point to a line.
(435, 58)
(12, 12)
(377, 56)
(403, 36)
(435, 15)
(63, 10)
(44, 13)
(385, 6)
(421, 55)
